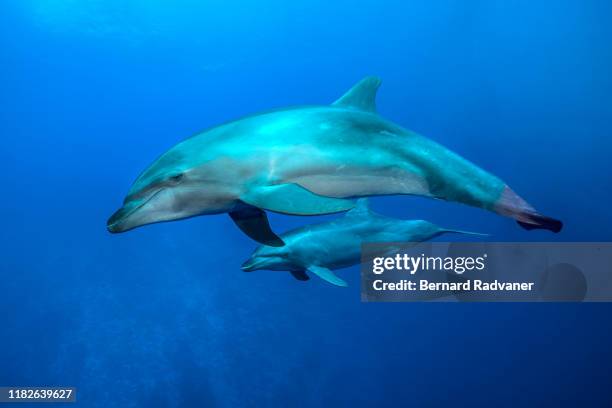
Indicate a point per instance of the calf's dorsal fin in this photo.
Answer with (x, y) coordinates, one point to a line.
(293, 199)
(327, 275)
(362, 208)
(361, 96)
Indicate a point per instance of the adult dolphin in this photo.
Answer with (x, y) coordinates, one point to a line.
(322, 248)
(306, 161)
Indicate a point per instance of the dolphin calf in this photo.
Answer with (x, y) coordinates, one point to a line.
(306, 161)
(321, 248)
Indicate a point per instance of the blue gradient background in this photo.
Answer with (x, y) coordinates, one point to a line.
(92, 91)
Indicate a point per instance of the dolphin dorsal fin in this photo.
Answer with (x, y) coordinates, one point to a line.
(362, 208)
(361, 96)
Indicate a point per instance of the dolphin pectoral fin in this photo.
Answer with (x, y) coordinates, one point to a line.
(294, 199)
(327, 275)
(300, 275)
(254, 222)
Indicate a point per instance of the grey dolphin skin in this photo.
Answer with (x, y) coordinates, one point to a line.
(306, 161)
(321, 248)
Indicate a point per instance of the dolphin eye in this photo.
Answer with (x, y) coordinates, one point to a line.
(176, 179)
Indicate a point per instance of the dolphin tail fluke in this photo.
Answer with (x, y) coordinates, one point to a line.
(254, 222)
(537, 221)
(511, 205)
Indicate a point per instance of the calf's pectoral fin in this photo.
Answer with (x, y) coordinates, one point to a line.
(327, 275)
(293, 199)
(300, 275)
(254, 222)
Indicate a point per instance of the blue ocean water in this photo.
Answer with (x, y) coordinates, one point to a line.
(93, 90)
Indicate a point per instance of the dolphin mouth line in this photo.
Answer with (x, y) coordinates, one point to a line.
(133, 210)
(249, 267)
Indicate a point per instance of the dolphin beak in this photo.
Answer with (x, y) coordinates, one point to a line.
(116, 222)
(251, 264)
(113, 224)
